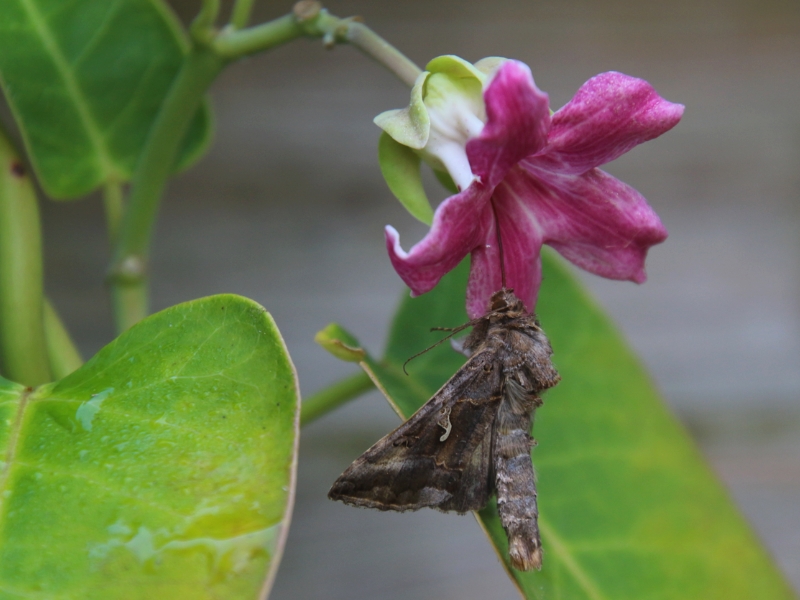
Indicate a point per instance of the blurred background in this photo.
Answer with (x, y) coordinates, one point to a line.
(288, 208)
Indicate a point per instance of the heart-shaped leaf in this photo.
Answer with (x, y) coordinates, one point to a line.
(162, 468)
(85, 80)
(629, 509)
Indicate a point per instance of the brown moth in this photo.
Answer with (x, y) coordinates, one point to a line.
(472, 438)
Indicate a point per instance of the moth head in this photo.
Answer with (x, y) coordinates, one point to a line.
(505, 301)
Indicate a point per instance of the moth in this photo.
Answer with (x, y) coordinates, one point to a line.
(472, 438)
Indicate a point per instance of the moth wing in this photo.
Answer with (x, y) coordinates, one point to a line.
(441, 457)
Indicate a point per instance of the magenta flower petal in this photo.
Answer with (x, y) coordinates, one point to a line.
(610, 114)
(484, 278)
(522, 265)
(594, 220)
(538, 183)
(459, 226)
(518, 119)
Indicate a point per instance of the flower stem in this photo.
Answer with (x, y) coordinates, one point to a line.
(334, 396)
(370, 43)
(22, 340)
(310, 19)
(64, 356)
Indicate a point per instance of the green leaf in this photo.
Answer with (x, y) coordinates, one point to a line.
(629, 509)
(337, 341)
(162, 468)
(400, 168)
(85, 79)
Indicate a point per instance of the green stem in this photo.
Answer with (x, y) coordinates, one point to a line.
(240, 15)
(232, 44)
(112, 200)
(202, 28)
(370, 43)
(210, 52)
(334, 396)
(128, 271)
(64, 356)
(311, 20)
(23, 351)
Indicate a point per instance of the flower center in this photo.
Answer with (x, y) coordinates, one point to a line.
(457, 114)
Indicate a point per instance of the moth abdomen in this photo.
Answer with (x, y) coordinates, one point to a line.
(513, 444)
(514, 477)
(518, 510)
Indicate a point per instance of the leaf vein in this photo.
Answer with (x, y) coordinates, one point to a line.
(42, 29)
(562, 549)
(131, 102)
(97, 35)
(13, 439)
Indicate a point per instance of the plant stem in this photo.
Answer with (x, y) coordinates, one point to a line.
(232, 44)
(128, 270)
(311, 20)
(240, 15)
(209, 54)
(202, 27)
(334, 396)
(22, 339)
(112, 201)
(64, 356)
(370, 43)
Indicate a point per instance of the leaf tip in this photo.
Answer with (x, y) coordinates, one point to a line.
(340, 343)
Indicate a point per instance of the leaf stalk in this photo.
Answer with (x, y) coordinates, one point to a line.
(23, 350)
(128, 273)
(334, 396)
(64, 356)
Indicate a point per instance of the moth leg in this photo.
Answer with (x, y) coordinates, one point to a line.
(457, 344)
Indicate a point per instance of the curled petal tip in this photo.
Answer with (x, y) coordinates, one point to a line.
(668, 113)
(393, 242)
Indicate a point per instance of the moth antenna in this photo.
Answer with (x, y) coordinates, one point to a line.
(453, 330)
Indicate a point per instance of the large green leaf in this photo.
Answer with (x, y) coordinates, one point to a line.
(85, 79)
(162, 468)
(629, 509)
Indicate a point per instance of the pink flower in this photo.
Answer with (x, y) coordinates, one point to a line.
(532, 175)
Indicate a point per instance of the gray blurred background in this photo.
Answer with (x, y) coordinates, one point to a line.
(289, 206)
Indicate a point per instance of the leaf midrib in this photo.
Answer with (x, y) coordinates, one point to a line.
(106, 164)
(13, 438)
(561, 549)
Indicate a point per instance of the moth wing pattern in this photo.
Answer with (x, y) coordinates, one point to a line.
(473, 437)
(441, 457)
